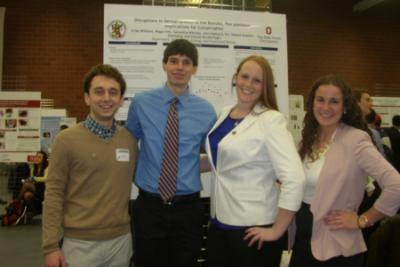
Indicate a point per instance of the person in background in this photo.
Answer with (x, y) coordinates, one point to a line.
(376, 136)
(394, 136)
(364, 100)
(89, 182)
(45, 142)
(171, 124)
(32, 191)
(372, 190)
(338, 155)
(28, 201)
(251, 151)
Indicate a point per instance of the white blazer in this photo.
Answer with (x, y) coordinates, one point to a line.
(251, 159)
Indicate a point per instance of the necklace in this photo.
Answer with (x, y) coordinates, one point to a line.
(320, 150)
(321, 147)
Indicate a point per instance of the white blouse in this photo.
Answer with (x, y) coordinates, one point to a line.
(312, 169)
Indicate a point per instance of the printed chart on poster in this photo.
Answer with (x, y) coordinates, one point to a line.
(19, 125)
(136, 36)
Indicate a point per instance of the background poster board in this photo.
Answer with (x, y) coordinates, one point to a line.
(19, 125)
(135, 38)
(51, 121)
(387, 107)
(296, 116)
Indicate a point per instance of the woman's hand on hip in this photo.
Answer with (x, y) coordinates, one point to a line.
(340, 219)
(260, 235)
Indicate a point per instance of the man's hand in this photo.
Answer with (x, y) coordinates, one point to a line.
(55, 259)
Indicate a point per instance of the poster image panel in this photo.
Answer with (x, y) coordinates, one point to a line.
(19, 125)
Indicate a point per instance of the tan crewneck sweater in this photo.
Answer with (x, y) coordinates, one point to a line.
(88, 186)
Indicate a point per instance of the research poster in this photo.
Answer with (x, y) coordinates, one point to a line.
(51, 121)
(136, 36)
(19, 125)
(296, 116)
(387, 107)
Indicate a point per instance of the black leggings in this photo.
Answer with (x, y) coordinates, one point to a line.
(226, 248)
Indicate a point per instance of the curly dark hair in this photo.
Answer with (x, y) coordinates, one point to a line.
(351, 116)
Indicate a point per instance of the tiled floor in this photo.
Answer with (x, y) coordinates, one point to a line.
(20, 245)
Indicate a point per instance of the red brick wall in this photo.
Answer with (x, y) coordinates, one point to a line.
(50, 44)
(328, 37)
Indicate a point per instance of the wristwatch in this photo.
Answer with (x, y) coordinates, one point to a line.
(363, 222)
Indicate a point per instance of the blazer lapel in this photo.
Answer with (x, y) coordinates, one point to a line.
(246, 123)
(323, 201)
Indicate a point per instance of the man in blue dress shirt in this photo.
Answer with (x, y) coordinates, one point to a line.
(169, 233)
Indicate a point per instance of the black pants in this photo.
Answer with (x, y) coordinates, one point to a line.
(167, 235)
(302, 255)
(227, 248)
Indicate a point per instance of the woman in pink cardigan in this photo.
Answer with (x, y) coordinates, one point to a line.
(338, 156)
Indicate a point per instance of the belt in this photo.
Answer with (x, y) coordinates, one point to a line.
(173, 200)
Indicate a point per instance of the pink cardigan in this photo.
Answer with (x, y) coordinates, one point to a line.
(349, 160)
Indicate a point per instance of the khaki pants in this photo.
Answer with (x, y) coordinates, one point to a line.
(115, 252)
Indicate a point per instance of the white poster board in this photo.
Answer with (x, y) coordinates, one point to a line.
(19, 125)
(387, 107)
(296, 116)
(135, 38)
(51, 121)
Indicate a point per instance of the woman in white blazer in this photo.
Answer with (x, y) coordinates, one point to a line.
(257, 176)
(338, 155)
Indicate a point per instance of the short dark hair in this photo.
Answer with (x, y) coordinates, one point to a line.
(358, 94)
(396, 120)
(181, 47)
(104, 70)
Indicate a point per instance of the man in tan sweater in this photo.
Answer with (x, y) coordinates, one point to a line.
(89, 182)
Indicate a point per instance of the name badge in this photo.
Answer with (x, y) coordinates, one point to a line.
(122, 154)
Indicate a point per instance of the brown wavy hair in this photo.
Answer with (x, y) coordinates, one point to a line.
(352, 113)
(104, 70)
(268, 97)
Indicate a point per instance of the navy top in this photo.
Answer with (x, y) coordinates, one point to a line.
(147, 119)
(219, 133)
